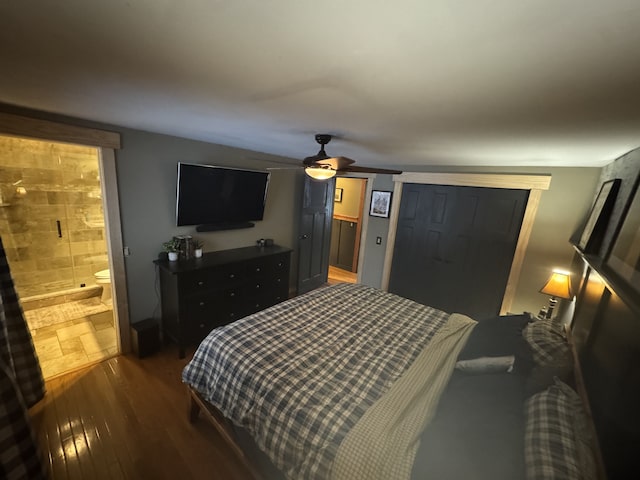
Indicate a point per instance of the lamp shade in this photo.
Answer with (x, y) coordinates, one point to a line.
(558, 285)
(320, 172)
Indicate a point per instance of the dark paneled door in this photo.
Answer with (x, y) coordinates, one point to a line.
(343, 244)
(454, 246)
(315, 233)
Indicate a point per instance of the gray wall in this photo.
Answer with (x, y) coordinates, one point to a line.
(378, 227)
(561, 210)
(147, 171)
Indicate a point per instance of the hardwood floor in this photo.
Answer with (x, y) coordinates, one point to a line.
(127, 418)
(338, 275)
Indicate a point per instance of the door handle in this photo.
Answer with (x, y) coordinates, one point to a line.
(59, 228)
(304, 237)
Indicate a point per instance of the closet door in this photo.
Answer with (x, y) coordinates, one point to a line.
(454, 246)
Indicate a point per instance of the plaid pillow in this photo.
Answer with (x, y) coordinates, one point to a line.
(547, 342)
(555, 442)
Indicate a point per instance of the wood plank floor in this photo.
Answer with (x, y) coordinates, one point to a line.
(338, 275)
(126, 418)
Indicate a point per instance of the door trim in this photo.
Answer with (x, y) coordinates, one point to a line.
(105, 142)
(534, 183)
(19, 125)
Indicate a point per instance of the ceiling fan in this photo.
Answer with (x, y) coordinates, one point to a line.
(322, 167)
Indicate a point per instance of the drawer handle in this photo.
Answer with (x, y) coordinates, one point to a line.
(232, 275)
(202, 304)
(232, 315)
(280, 264)
(257, 286)
(232, 294)
(257, 269)
(202, 325)
(257, 305)
(278, 280)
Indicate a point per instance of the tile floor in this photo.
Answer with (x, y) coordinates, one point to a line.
(72, 335)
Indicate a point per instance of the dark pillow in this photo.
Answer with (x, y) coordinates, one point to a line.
(500, 336)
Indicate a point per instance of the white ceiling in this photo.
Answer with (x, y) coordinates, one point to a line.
(403, 82)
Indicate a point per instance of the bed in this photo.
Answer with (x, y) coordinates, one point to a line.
(348, 381)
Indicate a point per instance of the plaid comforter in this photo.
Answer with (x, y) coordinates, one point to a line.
(299, 375)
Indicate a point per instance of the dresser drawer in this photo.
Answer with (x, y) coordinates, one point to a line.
(232, 274)
(256, 287)
(231, 314)
(280, 295)
(260, 285)
(260, 267)
(197, 331)
(231, 295)
(201, 306)
(281, 264)
(256, 303)
(200, 281)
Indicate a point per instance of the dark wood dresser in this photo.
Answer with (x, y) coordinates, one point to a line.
(198, 295)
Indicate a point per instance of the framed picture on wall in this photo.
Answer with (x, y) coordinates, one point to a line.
(624, 259)
(380, 204)
(591, 237)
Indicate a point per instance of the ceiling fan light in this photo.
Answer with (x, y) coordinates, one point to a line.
(320, 172)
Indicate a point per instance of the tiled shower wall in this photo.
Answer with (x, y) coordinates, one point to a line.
(42, 183)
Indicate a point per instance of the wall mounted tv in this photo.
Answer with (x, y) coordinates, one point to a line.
(219, 198)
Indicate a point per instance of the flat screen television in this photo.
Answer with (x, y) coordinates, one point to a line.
(218, 198)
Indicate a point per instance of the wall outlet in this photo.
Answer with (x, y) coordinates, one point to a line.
(378, 240)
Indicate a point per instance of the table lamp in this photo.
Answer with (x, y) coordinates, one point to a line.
(558, 286)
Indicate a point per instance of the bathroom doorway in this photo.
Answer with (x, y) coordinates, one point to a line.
(53, 227)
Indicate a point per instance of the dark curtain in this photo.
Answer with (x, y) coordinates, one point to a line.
(21, 385)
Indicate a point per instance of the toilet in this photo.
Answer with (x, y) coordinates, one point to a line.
(103, 277)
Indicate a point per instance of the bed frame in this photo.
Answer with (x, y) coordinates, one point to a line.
(225, 428)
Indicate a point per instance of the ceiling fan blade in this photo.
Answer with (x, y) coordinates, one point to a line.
(337, 163)
(355, 169)
(313, 160)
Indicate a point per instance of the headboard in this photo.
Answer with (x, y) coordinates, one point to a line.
(606, 335)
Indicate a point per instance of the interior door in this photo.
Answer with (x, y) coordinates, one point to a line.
(454, 246)
(315, 233)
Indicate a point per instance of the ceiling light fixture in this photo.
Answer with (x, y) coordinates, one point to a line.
(320, 172)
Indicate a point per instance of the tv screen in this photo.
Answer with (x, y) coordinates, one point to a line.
(219, 195)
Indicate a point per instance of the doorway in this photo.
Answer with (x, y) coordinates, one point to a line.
(346, 229)
(53, 226)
